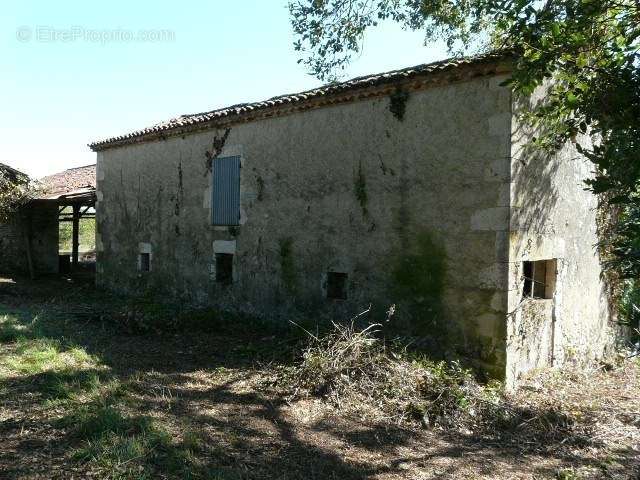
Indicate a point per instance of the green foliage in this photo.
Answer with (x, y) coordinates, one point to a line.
(329, 32)
(623, 241)
(584, 52)
(86, 235)
(630, 305)
(15, 192)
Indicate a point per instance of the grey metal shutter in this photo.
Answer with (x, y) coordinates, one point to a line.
(226, 191)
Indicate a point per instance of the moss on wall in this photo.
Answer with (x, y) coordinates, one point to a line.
(360, 189)
(260, 188)
(418, 284)
(287, 265)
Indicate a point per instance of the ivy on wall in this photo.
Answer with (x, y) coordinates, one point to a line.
(216, 149)
(360, 189)
(398, 103)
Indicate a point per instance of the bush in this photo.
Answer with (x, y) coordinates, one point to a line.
(630, 306)
(357, 371)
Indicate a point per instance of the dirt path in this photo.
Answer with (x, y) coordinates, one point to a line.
(203, 392)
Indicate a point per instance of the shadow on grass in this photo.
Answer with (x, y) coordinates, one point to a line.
(177, 405)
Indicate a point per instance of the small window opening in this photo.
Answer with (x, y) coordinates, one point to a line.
(145, 262)
(539, 279)
(337, 285)
(224, 268)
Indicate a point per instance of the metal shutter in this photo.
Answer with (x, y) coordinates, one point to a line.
(226, 191)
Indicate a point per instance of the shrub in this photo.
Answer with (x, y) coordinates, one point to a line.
(357, 371)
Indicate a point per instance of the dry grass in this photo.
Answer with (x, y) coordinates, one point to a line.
(82, 399)
(358, 373)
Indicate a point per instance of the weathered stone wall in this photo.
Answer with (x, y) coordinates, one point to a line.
(12, 252)
(44, 242)
(410, 209)
(45, 237)
(553, 217)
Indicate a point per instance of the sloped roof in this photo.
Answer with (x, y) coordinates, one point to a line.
(69, 181)
(185, 123)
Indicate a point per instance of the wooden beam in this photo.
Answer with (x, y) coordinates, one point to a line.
(70, 219)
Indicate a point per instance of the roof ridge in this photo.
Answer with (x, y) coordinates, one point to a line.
(82, 166)
(188, 120)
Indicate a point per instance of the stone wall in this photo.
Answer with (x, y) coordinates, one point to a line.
(45, 237)
(413, 210)
(12, 252)
(553, 217)
(44, 242)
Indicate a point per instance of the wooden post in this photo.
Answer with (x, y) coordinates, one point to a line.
(75, 236)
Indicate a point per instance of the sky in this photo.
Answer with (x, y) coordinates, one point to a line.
(75, 71)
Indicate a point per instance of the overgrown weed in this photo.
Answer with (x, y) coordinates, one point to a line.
(358, 372)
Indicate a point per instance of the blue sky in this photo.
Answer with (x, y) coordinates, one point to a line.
(65, 82)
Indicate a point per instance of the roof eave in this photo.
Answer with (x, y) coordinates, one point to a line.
(456, 73)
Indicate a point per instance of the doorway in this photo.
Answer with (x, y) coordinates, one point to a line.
(76, 237)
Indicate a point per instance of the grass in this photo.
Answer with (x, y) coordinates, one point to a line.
(64, 375)
(126, 447)
(189, 396)
(86, 234)
(34, 353)
(123, 447)
(104, 435)
(10, 329)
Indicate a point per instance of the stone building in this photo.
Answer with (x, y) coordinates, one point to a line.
(29, 240)
(13, 230)
(412, 187)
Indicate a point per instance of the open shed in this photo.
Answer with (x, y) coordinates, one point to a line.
(30, 242)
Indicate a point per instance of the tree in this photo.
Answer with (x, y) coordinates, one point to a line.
(589, 48)
(15, 191)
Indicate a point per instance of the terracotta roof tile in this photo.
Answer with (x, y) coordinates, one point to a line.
(357, 83)
(70, 180)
